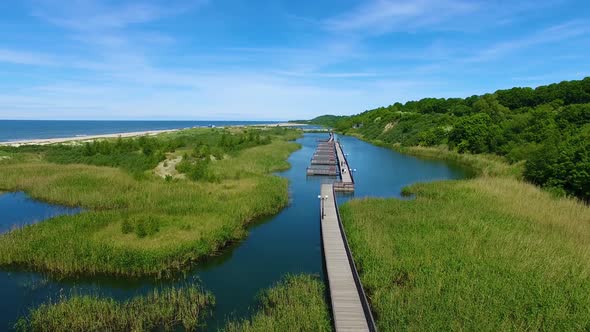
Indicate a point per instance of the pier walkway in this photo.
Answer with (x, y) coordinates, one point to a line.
(329, 160)
(346, 180)
(350, 308)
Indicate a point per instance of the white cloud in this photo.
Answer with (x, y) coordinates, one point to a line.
(379, 16)
(553, 34)
(92, 15)
(26, 58)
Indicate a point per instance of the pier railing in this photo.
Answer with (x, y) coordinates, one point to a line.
(355, 274)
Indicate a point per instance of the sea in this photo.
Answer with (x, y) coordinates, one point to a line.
(17, 130)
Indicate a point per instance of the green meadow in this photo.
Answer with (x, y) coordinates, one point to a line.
(135, 222)
(489, 253)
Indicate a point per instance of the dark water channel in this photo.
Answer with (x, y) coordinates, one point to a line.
(288, 242)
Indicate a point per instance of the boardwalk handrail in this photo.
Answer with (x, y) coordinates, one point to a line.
(357, 280)
(346, 161)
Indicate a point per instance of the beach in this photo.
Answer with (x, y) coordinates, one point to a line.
(84, 138)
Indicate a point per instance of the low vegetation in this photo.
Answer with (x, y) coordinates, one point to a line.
(167, 310)
(489, 253)
(295, 304)
(135, 223)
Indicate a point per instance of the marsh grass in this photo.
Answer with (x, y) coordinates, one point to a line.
(295, 304)
(141, 226)
(490, 254)
(477, 164)
(166, 309)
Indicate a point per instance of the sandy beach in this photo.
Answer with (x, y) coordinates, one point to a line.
(45, 141)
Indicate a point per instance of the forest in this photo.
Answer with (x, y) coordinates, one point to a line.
(546, 128)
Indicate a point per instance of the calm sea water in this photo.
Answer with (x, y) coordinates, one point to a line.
(288, 242)
(14, 130)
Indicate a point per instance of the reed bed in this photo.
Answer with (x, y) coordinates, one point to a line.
(168, 309)
(298, 303)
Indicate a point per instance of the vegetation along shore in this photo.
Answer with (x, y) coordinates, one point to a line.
(135, 222)
(494, 252)
(167, 309)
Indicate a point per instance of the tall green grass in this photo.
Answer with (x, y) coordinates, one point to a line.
(490, 254)
(167, 310)
(480, 164)
(295, 304)
(141, 226)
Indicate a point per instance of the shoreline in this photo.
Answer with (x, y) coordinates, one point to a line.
(57, 140)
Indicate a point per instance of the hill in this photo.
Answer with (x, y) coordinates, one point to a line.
(548, 128)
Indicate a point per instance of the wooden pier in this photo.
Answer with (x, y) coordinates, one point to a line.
(346, 183)
(350, 308)
(326, 170)
(329, 160)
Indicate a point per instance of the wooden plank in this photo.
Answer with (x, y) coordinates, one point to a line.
(347, 308)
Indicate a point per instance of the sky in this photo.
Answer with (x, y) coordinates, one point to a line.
(275, 59)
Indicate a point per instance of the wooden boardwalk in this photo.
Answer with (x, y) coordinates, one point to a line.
(346, 181)
(349, 305)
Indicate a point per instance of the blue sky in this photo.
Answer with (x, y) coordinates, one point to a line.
(275, 60)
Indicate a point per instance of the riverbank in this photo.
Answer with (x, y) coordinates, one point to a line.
(135, 223)
(87, 138)
(491, 252)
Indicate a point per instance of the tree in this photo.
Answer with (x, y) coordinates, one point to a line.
(474, 133)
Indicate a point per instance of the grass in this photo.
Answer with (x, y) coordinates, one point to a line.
(295, 304)
(489, 253)
(141, 225)
(167, 309)
(478, 164)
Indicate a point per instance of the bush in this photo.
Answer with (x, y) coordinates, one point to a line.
(126, 226)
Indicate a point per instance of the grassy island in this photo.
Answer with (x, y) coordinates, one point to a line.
(137, 222)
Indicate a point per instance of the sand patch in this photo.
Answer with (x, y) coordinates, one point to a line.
(389, 126)
(168, 168)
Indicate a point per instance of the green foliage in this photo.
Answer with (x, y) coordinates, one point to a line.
(519, 124)
(167, 309)
(324, 120)
(563, 165)
(475, 133)
(127, 226)
(295, 304)
(144, 226)
(138, 155)
(194, 168)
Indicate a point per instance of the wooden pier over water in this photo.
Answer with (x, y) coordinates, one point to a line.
(350, 308)
(347, 182)
(329, 160)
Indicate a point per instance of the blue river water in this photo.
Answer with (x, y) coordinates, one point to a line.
(14, 130)
(288, 242)
(18, 210)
